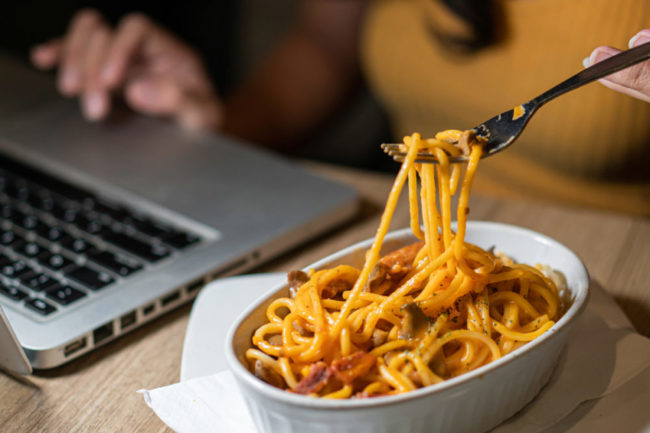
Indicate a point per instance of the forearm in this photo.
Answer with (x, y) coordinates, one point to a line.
(309, 74)
(285, 100)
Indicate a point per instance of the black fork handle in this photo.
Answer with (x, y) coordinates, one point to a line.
(608, 66)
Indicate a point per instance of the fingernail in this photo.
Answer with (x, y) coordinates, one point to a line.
(638, 39)
(69, 80)
(586, 62)
(108, 73)
(94, 106)
(36, 54)
(598, 55)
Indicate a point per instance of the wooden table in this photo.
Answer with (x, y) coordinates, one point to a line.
(97, 392)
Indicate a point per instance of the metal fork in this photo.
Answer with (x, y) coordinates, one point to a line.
(500, 131)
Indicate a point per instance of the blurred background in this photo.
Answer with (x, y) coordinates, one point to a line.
(233, 36)
(588, 149)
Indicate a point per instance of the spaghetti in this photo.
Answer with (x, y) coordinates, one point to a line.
(415, 317)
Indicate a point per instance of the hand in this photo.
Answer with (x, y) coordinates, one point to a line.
(156, 73)
(633, 81)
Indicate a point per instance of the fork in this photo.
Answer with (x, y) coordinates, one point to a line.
(500, 131)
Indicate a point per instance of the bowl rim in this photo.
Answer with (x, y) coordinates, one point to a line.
(570, 316)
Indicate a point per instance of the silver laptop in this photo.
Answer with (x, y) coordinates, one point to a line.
(104, 227)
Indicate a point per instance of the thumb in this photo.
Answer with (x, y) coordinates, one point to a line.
(162, 96)
(46, 55)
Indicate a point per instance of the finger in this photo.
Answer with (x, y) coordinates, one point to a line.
(129, 37)
(201, 113)
(95, 101)
(47, 55)
(82, 26)
(640, 38)
(633, 81)
(154, 95)
(163, 97)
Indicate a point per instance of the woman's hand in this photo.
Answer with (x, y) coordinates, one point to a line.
(633, 81)
(156, 73)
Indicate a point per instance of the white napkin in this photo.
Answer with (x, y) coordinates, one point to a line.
(205, 404)
(604, 353)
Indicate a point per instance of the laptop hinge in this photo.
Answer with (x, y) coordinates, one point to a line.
(12, 355)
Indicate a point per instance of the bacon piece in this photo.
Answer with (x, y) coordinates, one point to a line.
(392, 268)
(401, 258)
(295, 279)
(319, 375)
(349, 368)
(336, 286)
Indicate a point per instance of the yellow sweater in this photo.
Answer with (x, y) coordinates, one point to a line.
(588, 147)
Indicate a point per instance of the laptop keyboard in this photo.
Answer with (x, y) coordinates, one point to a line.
(60, 244)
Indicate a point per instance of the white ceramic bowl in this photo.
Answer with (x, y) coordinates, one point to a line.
(473, 402)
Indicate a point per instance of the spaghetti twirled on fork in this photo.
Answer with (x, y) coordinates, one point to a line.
(415, 317)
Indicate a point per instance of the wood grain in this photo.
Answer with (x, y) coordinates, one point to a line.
(97, 393)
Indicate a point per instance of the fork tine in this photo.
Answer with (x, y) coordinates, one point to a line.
(390, 145)
(392, 150)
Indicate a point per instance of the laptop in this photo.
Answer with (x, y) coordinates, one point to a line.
(106, 226)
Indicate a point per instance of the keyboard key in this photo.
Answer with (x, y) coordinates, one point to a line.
(147, 226)
(141, 240)
(148, 252)
(27, 221)
(15, 269)
(6, 211)
(89, 225)
(17, 169)
(89, 277)
(180, 240)
(40, 306)
(112, 210)
(65, 295)
(53, 261)
(29, 249)
(4, 260)
(9, 237)
(118, 263)
(52, 233)
(64, 213)
(14, 215)
(167, 234)
(44, 202)
(76, 245)
(38, 281)
(12, 292)
(18, 189)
